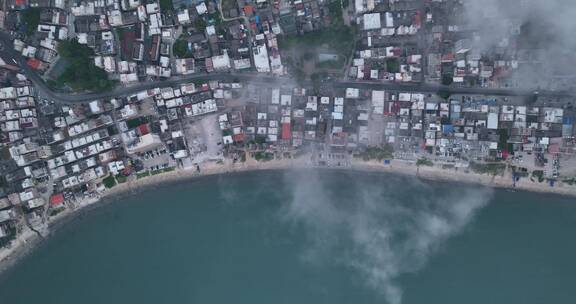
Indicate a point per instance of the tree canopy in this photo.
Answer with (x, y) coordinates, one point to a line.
(81, 72)
(31, 18)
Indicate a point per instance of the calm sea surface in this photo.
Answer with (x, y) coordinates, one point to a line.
(308, 237)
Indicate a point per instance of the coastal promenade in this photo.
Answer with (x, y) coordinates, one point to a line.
(28, 239)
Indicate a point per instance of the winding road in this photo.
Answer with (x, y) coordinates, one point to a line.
(43, 91)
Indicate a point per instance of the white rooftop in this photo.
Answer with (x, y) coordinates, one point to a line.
(372, 21)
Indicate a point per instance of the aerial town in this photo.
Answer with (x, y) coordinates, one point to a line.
(100, 93)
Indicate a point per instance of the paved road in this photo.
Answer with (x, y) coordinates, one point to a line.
(9, 54)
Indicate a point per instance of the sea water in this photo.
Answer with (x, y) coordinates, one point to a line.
(308, 237)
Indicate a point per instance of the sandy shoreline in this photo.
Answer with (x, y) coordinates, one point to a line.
(461, 175)
(28, 240)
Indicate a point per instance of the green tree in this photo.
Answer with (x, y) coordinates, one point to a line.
(81, 72)
(424, 162)
(393, 65)
(263, 156)
(180, 49)
(31, 18)
(445, 94)
(377, 153)
(200, 24)
(109, 182)
(447, 79)
(166, 5)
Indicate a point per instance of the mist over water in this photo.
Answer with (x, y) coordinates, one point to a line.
(379, 230)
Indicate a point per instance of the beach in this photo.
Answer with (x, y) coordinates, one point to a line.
(28, 239)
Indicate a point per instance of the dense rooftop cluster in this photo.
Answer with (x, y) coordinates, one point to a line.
(415, 41)
(389, 41)
(136, 41)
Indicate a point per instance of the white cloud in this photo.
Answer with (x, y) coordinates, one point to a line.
(375, 229)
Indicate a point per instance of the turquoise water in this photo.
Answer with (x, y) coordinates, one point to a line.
(308, 237)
